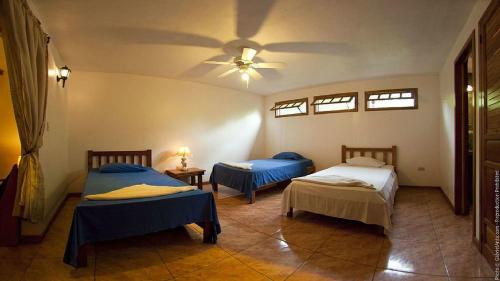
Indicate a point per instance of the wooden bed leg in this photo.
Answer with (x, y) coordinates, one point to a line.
(81, 259)
(252, 199)
(215, 187)
(208, 232)
(290, 213)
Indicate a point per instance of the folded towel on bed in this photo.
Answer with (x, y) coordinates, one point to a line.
(334, 180)
(139, 191)
(241, 165)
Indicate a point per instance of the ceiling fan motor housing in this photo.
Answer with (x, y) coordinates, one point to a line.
(241, 62)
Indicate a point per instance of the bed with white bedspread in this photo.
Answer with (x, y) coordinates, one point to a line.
(348, 191)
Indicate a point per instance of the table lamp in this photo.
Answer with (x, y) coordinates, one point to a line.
(183, 152)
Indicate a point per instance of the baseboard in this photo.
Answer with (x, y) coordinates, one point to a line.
(476, 243)
(420, 186)
(450, 204)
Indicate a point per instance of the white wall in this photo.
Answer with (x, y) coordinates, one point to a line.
(447, 104)
(132, 112)
(320, 137)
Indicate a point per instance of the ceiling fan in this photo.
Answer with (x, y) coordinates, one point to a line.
(245, 65)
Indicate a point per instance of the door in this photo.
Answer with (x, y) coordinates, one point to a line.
(489, 52)
(464, 127)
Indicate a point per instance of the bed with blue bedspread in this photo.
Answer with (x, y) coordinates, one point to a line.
(264, 172)
(95, 221)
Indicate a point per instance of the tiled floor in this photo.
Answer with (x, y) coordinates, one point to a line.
(428, 243)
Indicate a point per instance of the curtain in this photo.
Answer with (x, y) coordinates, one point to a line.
(26, 53)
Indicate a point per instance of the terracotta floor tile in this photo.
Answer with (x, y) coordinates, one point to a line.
(360, 246)
(50, 269)
(237, 237)
(132, 263)
(415, 232)
(346, 250)
(269, 225)
(390, 275)
(458, 253)
(228, 270)
(320, 267)
(470, 279)
(13, 269)
(52, 247)
(182, 258)
(412, 256)
(306, 235)
(274, 258)
(20, 251)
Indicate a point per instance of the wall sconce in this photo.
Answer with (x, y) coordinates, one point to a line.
(63, 74)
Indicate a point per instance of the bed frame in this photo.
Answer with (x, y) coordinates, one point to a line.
(374, 152)
(350, 152)
(96, 159)
(280, 184)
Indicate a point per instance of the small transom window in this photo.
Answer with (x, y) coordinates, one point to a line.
(345, 102)
(391, 99)
(290, 108)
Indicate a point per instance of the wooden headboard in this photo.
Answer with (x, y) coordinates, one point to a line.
(96, 159)
(377, 153)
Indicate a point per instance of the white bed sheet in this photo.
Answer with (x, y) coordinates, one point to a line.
(371, 206)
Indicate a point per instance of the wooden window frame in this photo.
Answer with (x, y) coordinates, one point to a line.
(414, 91)
(302, 100)
(340, 95)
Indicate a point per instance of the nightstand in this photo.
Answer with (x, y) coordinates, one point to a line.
(191, 173)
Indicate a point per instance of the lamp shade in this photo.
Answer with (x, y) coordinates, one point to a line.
(64, 72)
(183, 151)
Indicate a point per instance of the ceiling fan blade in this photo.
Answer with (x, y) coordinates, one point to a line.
(251, 16)
(269, 65)
(202, 69)
(248, 53)
(254, 74)
(138, 35)
(219, 62)
(227, 72)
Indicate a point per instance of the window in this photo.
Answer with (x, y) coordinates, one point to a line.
(391, 99)
(346, 102)
(290, 108)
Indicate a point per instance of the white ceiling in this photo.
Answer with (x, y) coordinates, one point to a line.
(322, 41)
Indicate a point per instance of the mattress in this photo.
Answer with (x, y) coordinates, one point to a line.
(371, 206)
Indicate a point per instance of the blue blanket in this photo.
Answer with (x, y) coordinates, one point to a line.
(95, 221)
(263, 172)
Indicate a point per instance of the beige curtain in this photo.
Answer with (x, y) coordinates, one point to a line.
(26, 52)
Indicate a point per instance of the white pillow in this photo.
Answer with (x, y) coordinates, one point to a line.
(365, 161)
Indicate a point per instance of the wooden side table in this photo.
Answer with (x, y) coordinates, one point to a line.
(191, 173)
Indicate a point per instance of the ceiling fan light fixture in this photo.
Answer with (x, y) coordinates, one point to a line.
(245, 76)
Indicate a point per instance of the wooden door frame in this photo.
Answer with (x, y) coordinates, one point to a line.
(461, 133)
(482, 116)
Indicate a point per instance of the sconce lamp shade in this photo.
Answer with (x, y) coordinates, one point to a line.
(63, 74)
(183, 151)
